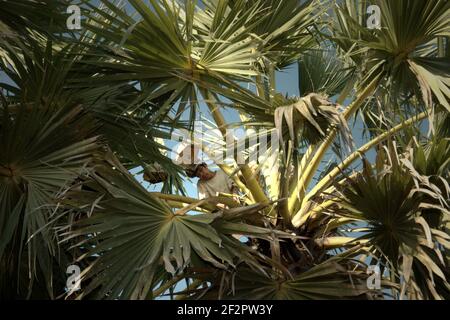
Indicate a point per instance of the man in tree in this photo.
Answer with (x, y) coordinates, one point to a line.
(211, 183)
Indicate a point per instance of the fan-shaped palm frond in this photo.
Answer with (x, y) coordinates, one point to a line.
(187, 49)
(48, 74)
(405, 208)
(284, 29)
(134, 234)
(320, 72)
(43, 151)
(21, 17)
(394, 51)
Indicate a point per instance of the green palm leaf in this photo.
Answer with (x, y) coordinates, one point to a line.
(405, 209)
(134, 234)
(43, 151)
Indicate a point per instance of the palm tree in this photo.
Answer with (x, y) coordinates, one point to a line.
(80, 110)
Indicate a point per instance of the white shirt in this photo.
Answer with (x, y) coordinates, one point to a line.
(220, 183)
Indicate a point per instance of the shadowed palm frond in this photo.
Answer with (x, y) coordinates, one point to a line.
(405, 204)
(43, 151)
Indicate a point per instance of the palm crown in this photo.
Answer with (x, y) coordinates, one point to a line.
(82, 108)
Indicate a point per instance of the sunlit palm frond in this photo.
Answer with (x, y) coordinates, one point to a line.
(284, 30)
(394, 51)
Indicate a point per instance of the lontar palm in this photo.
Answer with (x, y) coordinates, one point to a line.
(82, 108)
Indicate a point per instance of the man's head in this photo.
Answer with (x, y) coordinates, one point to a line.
(203, 173)
(200, 171)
